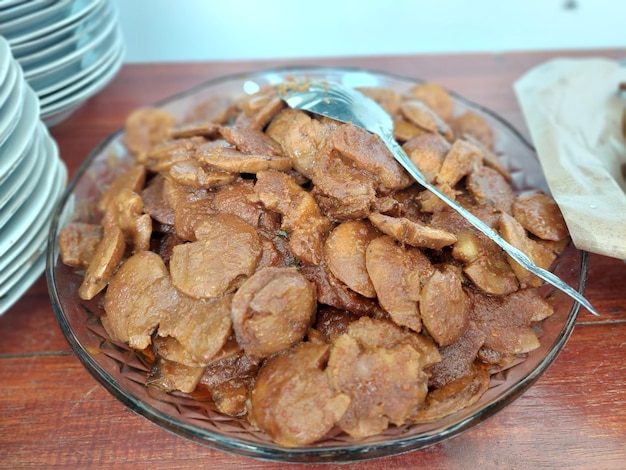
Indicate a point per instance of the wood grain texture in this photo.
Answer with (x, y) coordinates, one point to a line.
(53, 414)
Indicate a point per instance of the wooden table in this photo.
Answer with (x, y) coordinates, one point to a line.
(53, 413)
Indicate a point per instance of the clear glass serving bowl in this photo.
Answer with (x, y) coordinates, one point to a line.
(123, 372)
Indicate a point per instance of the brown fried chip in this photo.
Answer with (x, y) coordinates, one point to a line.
(302, 219)
(385, 382)
(436, 98)
(137, 299)
(293, 400)
(103, 264)
(444, 306)
(397, 274)
(146, 127)
(470, 123)
(411, 232)
(540, 215)
(506, 321)
(199, 327)
(134, 179)
(513, 232)
(344, 252)
(273, 310)
(225, 254)
(78, 242)
(453, 397)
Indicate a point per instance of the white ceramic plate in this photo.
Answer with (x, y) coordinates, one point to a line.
(17, 176)
(5, 60)
(7, 85)
(13, 149)
(31, 205)
(17, 11)
(66, 66)
(111, 59)
(28, 196)
(20, 270)
(89, 63)
(25, 282)
(11, 110)
(53, 37)
(37, 231)
(49, 113)
(84, 45)
(60, 49)
(26, 254)
(59, 15)
(34, 20)
(8, 4)
(38, 157)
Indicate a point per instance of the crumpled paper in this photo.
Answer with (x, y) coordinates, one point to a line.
(574, 113)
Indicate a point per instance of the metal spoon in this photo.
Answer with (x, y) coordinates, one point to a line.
(348, 105)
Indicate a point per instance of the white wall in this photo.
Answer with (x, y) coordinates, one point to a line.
(188, 30)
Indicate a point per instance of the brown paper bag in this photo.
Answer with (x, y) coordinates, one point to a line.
(574, 114)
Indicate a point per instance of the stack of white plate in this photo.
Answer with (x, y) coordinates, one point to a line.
(69, 49)
(32, 178)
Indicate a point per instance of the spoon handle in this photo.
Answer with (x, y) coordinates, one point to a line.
(512, 251)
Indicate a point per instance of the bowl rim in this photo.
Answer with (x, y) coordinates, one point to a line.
(270, 451)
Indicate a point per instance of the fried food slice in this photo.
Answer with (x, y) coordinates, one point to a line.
(471, 123)
(293, 399)
(331, 291)
(138, 297)
(232, 160)
(505, 320)
(126, 212)
(483, 261)
(490, 189)
(78, 242)
(513, 232)
(344, 252)
(540, 215)
(457, 358)
(436, 98)
(192, 173)
(461, 160)
(411, 232)
(257, 110)
(444, 306)
(251, 141)
(146, 127)
(200, 327)
(425, 118)
(273, 310)
(134, 179)
(300, 137)
(384, 380)
(453, 397)
(162, 156)
(370, 154)
(427, 152)
(170, 376)
(104, 262)
(225, 254)
(388, 99)
(397, 274)
(230, 382)
(302, 219)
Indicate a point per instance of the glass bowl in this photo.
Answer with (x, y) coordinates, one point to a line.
(123, 372)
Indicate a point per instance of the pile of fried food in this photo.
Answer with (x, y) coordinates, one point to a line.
(288, 265)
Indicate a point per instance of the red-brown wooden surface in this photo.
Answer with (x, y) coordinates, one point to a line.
(53, 414)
